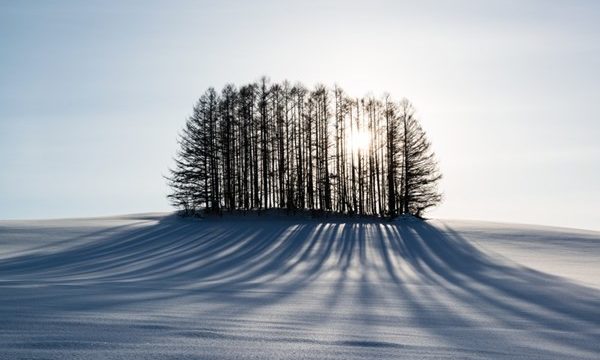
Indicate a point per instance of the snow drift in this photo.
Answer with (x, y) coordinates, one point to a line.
(158, 286)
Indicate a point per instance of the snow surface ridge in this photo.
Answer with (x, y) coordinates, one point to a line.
(159, 286)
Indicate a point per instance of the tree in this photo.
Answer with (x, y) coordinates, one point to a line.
(393, 152)
(227, 143)
(280, 146)
(185, 179)
(420, 173)
(263, 112)
(193, 180)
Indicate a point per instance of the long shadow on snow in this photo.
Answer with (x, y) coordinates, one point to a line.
(515, 296)
(189, 261)
(176, 258)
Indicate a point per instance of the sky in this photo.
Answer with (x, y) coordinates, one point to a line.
(94, 93)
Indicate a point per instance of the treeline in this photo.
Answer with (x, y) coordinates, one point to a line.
(267, 145)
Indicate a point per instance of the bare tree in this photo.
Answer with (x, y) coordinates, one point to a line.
(275, 145)
(420, 173)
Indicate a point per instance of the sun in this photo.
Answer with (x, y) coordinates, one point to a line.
(358, 141)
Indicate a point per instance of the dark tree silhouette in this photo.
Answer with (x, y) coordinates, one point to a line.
(270, 145)
(393, 155)
(420, 174)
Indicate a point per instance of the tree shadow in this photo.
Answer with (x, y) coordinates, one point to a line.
(239, 266)
(509, 295)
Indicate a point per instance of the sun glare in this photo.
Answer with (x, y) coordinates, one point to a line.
(359, 140)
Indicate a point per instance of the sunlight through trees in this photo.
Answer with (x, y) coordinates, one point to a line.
(269, 145)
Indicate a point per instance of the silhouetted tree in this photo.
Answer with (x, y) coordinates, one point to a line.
(227, 143)
(393, 154)
(420, 173)
(275, 145)
(186, 179)
(194, 180)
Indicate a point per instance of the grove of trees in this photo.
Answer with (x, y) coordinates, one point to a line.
(269, 145)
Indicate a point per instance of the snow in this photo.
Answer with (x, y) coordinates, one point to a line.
(155, 286)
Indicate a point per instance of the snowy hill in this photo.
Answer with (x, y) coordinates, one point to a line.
(155, 286)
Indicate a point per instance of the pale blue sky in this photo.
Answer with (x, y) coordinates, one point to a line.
(93, 94)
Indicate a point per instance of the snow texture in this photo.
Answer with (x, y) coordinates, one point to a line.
(155, 286)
